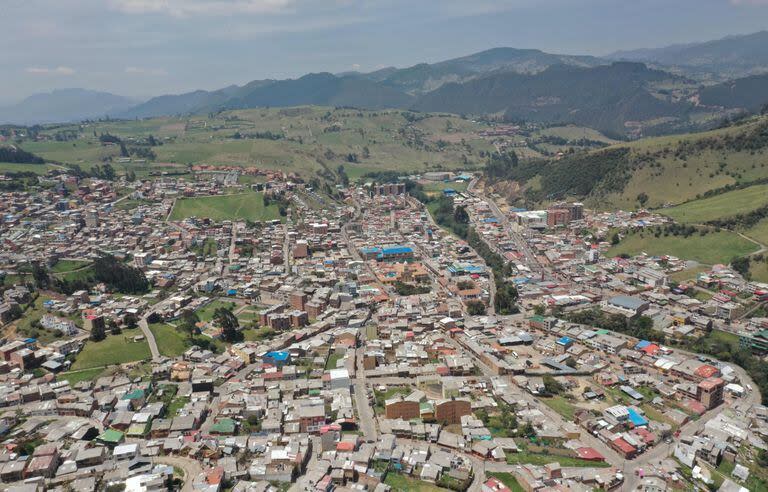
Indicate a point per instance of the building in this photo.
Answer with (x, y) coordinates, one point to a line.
(450, 411)
(400, 408)
(710, 392)
(626, 305)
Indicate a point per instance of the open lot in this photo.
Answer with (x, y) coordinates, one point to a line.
(115, 349)
(247, 206)
(713, 248)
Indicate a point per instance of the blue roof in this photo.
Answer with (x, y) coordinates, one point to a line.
(491, 220)
(369, 250)
(397, 250)
(564, 341)
(636, 419)
(642, 344)
(279, 356)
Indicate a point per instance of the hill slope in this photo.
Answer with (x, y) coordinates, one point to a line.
(733, 56)
(606, 97)
(653, 172)
(65, 105)
(749, 93)
(424, 77)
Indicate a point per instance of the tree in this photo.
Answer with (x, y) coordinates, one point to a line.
(131, 321)
(615, 239)
(228, 323)
(539, 309)
(97, 332)
(552, 386)
(475, 308)
(460, 215)
(40, 275)
(189, 320)
(642, 199)
(113, 328)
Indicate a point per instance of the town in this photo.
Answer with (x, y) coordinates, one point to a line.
(381, 339)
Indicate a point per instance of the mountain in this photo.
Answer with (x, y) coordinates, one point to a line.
(748, 93)
(609, 98)
(654, 171)
(191, 102)
(425, 77)
(322, 89)
(730, 57)
(65, 105)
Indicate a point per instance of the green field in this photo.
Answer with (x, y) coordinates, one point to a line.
(401, 483)
(65, 266)
(170, 341)
(713, 248)
(244, 206)
(561, 405)
(75, 377)
(720, 206)
(115, 349)
(524, 457)
(206, 313)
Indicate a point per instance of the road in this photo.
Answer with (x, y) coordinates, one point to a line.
(522, 245)
(190, 467)
(144, 326)
(367, 421)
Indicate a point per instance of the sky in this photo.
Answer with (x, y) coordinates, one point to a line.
(144, 48)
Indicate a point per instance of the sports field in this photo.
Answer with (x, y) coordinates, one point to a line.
(243, 206)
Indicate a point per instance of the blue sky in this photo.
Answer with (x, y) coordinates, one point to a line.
(142, 48)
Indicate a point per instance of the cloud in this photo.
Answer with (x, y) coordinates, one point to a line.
(750, 2)
(51, 71)
(145, 71)
(355, 66)
(184, 8)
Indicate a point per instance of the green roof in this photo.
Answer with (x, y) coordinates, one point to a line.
(134, 395)
(111, 436)
(223, 426)
(537, 318)
(603, 332)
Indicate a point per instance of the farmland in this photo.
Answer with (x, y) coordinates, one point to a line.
(304, 140)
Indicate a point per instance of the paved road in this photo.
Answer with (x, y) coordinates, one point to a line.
(149, 336)
(367, 421)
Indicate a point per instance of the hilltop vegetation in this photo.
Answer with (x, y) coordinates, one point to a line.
(653, 172)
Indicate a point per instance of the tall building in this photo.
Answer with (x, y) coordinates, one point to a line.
(710, 392)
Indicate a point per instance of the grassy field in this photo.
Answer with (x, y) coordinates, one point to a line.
(561, 405)
(688, 273)
(75, 377)
(115, 349)
(525, 457)
(401, 483)
(720, 206)
(65, 266)
(247, 206)
(206, 313)
(170, 341)
(713, 248)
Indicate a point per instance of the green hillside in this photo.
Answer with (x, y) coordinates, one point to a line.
(653, 172)
(308, 140)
